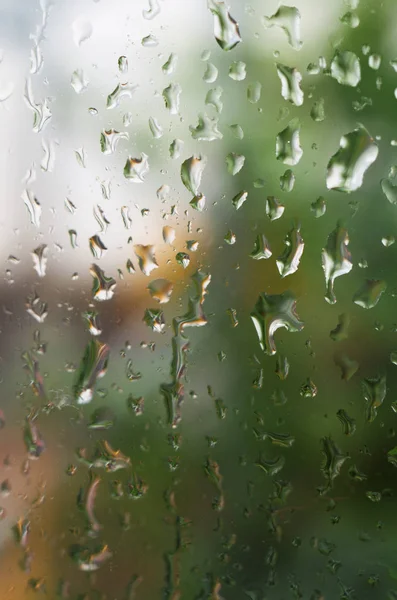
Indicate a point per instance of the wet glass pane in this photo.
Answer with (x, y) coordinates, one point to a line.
(198, 331)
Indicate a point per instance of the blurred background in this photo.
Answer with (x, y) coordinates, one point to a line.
(152, 449)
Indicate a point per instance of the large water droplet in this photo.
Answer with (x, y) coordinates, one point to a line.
(288, 262)
(191, 172)
(135, 169)
(93, 367)
(346, 168)
(102, 287)
(272, 312)
(39, 256)
(288, 18)
(110, 139)
(290, 84)
(226, 29)
(122, 90)
(146, 258)
(345, 68)
(206, 129)
(288, 148)
(336, 260)
(369, 294)
(171, 95)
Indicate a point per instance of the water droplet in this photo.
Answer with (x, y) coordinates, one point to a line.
(254, 91)
(234, 163)
(97, 247)
(170, 65)
(135, 169)
(226, 29)
(110, 139)
(237, 131)
(101, 218)
(152, 11)
(154, 318)
(146, 258)
(122, 64)
(389, 190)
(136, 404)
(36, 308)
(183, 259)
(80, 157)
(239, 199)
(238, 70)
(230, 238)
(155, 128)
(39, 256)
(348, 423)
(261, 248)
(288, 262)
(333, 460)
(287, 181)
(93, 367)
(341, 330)
(288, 148)
(317, 112)
(82, 31)
(272, 312)
(169, 234)
(176, 148)
(210, 73)
(127, 221)
(288, 18)
(213, 98)
(161, 290)
(374, 61)
(374, 391)
(271, 466)
(34, 442)
(351, 19)
(274, 208)
(122, 90)
(282, 367)
(336, 260)
(191, 172)
(348, 366)
(345, 68)
(89, 560)
(102, 287)
(308, 389)
(388, 240)
(171, 95)
(206, 129)
(78, 81)
(369, 294)
(346, 168)
(41, 111)
(91, 318)
(149, 41)
(290, 84)
(33, 206)
(198, 202)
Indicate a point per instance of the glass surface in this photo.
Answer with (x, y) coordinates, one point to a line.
(198, 362)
